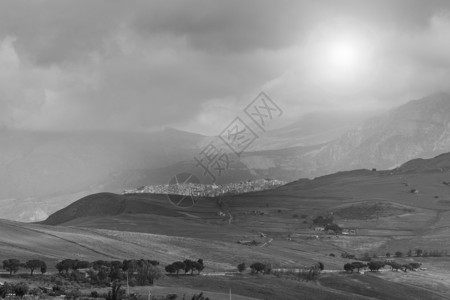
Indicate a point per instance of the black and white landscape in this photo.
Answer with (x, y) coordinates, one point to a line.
(225, 149)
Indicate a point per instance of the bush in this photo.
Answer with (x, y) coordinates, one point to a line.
(94, 294)
(258, 267)
(73, 294)
(21, 289)
(35, 292)
(199, 297)
(241, 267)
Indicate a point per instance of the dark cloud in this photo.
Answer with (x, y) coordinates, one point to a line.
(143, 64)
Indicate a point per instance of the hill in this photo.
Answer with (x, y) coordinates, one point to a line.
(410, 202)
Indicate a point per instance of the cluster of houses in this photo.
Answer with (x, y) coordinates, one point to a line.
(345, 231)
(208, 190)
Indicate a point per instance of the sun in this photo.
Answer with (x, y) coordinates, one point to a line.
(339, 57)
(343, 56)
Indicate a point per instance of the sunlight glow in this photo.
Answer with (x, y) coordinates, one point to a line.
(340, 57)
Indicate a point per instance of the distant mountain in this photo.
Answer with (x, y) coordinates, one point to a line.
(418, 129)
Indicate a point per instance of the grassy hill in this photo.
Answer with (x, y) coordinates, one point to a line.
(391, 211)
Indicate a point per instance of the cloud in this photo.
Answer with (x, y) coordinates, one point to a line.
(148, 64)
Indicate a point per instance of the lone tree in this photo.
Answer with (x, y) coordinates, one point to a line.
(11, 265)
(33, 265)
(258, 267)
(398, 254)
(241, 267)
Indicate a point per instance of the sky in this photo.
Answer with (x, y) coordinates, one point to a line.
(195, 65)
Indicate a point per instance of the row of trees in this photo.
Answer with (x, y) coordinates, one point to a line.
(13, 265)
(377, 265)
(187, 266)
(255, 268)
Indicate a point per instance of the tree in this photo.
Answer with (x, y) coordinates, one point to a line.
(388, 254)
(33, 265)
(375, 265)
(348, 267)
(147, 273)
(81, 264)
(96, 265)
(66, 265)
(241, 267)
(197, 266)
(11, 265)
(179, 265)
(406, 267)
(409, 253)
(398, 254)
(116, 291)
(129, 266)
(414, 265)
(333, 227)
(170, 269)
(43, 267)
(419, 252)
(315, 270)
(358, 265)
(395, 266)
(188, 266)
(258, 267)
(115, 264)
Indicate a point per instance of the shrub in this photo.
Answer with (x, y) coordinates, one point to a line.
(258, 267)
(73, 294)
(94, 294)
(241, 267)
(21, 289)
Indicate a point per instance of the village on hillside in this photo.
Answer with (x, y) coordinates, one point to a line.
(208, 190)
